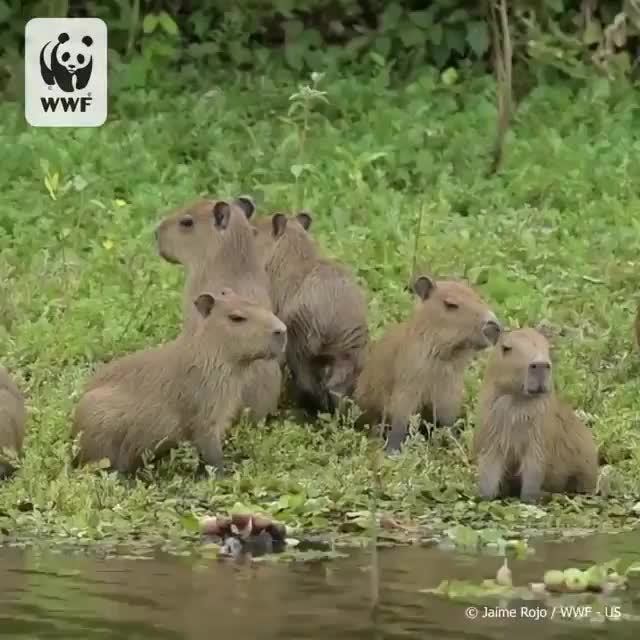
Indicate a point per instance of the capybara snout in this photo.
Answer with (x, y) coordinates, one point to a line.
(538, 377)
(492, 329)
(278, 338)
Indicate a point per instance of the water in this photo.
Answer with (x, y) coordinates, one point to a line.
(47, 595)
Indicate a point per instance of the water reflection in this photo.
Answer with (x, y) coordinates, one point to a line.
(72, 596)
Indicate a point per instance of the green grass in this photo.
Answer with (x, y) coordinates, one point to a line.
(553, 239)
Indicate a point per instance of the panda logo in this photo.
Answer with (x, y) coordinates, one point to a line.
(67, 64)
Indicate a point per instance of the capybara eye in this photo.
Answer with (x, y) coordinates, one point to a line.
(450, 305)
(186, 222)
(506, 348)
(237, 317)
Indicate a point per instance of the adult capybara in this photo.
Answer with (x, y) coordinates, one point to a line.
(528, 440)
(216, 245)
(13, 417)
(418, 365)
(323, 306)
(187, 390)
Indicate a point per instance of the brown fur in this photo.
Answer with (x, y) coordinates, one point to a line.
(418, 365)
(528, 440)
(218, 249)
(186, 390)
(323, 307)
(13, 417)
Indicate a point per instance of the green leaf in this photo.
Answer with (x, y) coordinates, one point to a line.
(168, 24)
(293, 29)
(449, 76)
(382, 45)
(464, 536)
(294, 55)
(390, 17)
(377, 58)
(422, 19)
(478, 37)
(150, 23)
(456, 40)
(459, 15)
(435, 34)
(412, 36)
(592, 32)
(189, 522)
(5, 12)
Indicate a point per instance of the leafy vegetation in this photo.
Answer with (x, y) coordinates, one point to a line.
(552, 38)
(560, 594)
(394, 174)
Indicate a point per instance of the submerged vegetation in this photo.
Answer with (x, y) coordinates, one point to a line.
(395, 174)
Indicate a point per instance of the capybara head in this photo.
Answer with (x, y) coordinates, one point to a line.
(338, 374)
(520, 364)
(244, 330)
(192, 232)
(457, 317)
(271, 230)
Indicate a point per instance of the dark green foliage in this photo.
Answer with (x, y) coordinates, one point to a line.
(558, 36)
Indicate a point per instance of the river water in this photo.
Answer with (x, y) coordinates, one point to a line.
(63, 595)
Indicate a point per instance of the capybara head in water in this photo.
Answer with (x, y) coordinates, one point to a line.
(459, 318)
(189, 234)
(520, 365)
(244, 330)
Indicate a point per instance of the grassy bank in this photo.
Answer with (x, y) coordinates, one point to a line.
(553, 239)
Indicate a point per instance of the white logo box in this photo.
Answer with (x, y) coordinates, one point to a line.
(66, 72)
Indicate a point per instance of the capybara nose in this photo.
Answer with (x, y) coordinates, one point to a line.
(280, 336)
(538, 376)
(492, 330)
(540, 366)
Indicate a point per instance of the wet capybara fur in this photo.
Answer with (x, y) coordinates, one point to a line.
(417, 366)
(323, 307)
(528, 440)
(216, 245)
(186, 390)
(13, 417)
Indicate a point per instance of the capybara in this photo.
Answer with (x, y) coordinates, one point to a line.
(418, 365)
(528, 440)
(186, 390)
(13, 417)
(323, 306)
(216, 245)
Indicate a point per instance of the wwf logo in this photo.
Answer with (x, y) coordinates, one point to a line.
(67, 63)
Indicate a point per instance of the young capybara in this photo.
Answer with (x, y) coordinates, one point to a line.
(528, 440)
(418, 365)
(214, 242)
(323, 307)
(187, 390)
(13, 417)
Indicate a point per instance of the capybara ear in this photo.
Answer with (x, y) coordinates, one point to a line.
(63, 37)
(87, 41)
(279, 222)
(423, 287)
(546, 330)
(247, 204)
(221, 214)
(305, 219)
(204, 303)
